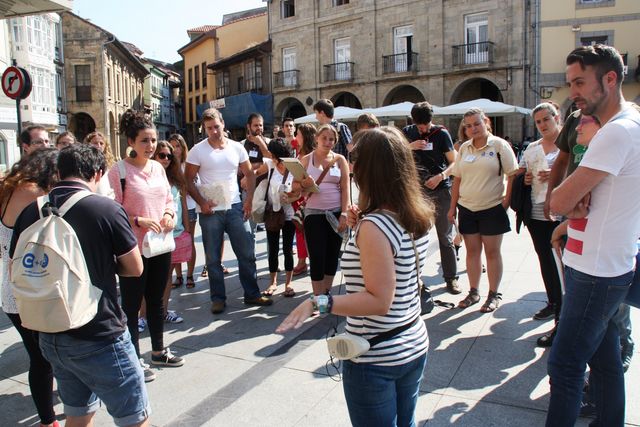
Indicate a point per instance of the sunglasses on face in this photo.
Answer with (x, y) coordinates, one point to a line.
(163, 156)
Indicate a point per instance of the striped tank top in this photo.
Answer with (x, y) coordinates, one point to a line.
(413, 342)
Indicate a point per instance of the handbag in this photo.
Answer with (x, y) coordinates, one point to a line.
(298, 216)
(182, 252)
(155, 244)
(274, 220)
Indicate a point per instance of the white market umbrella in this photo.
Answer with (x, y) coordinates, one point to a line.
(490, 108)
(339, 113)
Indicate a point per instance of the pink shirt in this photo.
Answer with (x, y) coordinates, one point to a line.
(329, 197)
(146, 195)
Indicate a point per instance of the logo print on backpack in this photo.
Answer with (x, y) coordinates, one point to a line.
(29, 261)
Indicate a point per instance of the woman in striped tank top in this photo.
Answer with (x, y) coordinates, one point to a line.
(382, 270)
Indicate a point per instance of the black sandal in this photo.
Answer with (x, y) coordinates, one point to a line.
(179, 281)
(492, 302)
(190, 282)
(471, 299)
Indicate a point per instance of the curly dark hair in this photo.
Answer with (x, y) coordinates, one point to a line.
(133, 122)
(39, 167)
(279, 148)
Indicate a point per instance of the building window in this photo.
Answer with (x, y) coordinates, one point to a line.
(258, 74)
(190, 79)
(240, 82)
(109, 83)
(197, 102)
(402, 48)
(593, 40)
(583, 4)
(250, 75)
(190, 110)
(340, 2)
(196, 73)
(476, 34)
(118, 86)
(204, 98)
(287, 8)
(42, 94)
(40, 35)
(204, 74)
(83, 83)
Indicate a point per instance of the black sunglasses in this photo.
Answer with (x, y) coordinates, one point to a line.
(163, 156)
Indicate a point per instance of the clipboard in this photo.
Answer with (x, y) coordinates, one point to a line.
(298, 171)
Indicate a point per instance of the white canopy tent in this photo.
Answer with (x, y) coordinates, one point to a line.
(400, 110)
(490, 108)
(339, 113)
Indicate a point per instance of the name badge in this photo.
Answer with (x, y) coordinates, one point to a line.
(470, 158)
(253, 153)
(334, 171)
(428, 146)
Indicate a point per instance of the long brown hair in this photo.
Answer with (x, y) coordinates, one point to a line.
(387, 177)
(308, 132)
(173, 172)
(108, 155)
(39, 167)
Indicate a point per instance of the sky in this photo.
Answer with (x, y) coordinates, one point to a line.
(158, 27)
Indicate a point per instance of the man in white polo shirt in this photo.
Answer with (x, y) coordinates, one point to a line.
(603, 204)
(216, 160)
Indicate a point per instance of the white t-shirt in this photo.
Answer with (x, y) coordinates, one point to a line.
(276, 181)
(219, 165)
(604, 243)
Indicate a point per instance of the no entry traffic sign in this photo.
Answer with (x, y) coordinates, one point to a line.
(16, 83)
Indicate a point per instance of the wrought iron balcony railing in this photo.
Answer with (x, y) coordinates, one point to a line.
(400, 63)
(286, 79)
(341, 71)
(473, 53)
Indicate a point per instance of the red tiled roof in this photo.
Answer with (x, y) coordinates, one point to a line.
(202, 29)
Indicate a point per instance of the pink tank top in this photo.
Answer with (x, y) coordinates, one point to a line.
(329, 196)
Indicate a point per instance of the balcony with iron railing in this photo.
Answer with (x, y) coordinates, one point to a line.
(286, 79)
(341, 71)
(400, 63)
(473, 53)
(253, 84)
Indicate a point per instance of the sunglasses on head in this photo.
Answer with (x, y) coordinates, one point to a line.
(163, 156)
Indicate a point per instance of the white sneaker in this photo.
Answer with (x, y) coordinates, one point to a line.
(173, 317)
(142, 324)
(149, 375)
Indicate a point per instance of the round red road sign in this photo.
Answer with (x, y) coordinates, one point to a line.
(15, 82)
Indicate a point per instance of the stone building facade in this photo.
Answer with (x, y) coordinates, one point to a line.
(371, 53)
(103, 80)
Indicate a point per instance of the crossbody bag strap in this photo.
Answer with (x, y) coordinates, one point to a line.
(395, 331)
(322, 175)
(268, 183)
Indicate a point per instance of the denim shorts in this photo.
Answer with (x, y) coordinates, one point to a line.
(88, 372)
(193, 215)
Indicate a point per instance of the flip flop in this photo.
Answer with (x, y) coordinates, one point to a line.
(289, 292)
(270, 291)
(179, 281)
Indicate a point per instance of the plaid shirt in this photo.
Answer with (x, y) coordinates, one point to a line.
(344, 138)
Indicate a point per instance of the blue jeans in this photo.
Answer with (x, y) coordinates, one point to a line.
(382, 395)
(242, 241)
(90, 371)
(587, 334)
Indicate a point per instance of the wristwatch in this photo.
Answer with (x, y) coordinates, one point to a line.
(321, 303)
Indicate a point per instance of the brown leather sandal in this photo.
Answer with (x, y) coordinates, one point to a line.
(471, 299)
(492, 302)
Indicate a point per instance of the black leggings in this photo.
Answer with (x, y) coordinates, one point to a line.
(541, 235)
(40, 373)
(151, 285)
(273, 246)
(323, 245)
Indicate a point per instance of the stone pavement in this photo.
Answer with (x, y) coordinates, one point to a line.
(482, 370)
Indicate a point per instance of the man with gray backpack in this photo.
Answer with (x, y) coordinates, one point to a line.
(66, 250)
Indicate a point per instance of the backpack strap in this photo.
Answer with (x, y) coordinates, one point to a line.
(42, 202)
(75, 197)
(123, 175)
